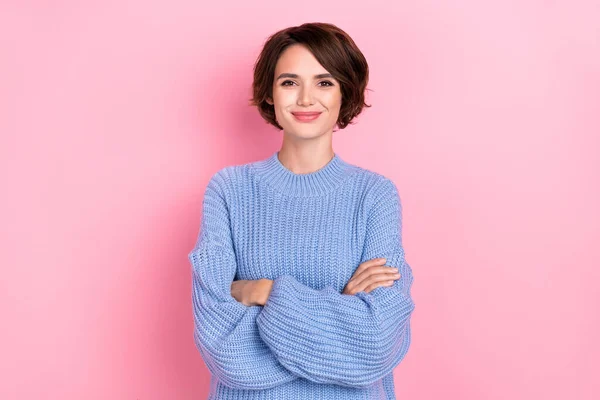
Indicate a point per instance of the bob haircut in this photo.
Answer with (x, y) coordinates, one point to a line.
(333, 48)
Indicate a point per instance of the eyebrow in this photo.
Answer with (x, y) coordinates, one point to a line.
(288, 75)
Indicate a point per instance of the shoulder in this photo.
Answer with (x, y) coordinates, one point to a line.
(224, 175)
(228, 179)
(374, 185)
(378, 193)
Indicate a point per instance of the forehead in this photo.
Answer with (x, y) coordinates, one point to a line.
(298, 59)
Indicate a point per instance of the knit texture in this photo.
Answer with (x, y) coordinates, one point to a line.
(308, 233)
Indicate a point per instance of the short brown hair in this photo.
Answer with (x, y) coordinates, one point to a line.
(333, 48)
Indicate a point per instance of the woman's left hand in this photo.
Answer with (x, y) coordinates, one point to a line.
(251, 292)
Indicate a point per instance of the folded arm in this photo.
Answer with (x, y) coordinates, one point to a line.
(225, 331)
(350, 340)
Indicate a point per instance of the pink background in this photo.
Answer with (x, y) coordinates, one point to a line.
(114, 114)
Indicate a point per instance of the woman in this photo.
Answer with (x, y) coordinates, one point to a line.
(300, 285)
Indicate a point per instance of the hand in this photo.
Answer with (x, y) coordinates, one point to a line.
(251, 292)
(263, 290)
(370, 275)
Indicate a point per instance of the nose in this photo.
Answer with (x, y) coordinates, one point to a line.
(305, 96)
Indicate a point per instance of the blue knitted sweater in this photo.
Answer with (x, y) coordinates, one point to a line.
(308, 233)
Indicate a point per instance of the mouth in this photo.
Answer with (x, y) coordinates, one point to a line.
(306, 116)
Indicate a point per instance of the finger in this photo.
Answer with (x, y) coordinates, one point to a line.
(373, 286)
(367, 277)
(374, 279)
(370, 263)
(359, 277)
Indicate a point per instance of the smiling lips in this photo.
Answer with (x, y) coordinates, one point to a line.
(306, 116)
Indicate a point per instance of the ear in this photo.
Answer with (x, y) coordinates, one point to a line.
(269, 100)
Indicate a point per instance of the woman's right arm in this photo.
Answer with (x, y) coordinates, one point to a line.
(225, 331)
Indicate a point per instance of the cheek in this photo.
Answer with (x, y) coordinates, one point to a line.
(334, 103)
(334, 98)
(282, 96)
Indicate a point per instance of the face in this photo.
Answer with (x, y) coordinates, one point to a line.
(302, 85)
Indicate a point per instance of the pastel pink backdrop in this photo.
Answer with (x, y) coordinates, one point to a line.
(114, 115)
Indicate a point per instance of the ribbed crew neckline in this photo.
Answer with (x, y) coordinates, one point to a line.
(316, 183)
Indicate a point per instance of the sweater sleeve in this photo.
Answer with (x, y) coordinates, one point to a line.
(350, 340)
(225, 330)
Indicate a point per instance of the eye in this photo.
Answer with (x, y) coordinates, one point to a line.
(327, 83)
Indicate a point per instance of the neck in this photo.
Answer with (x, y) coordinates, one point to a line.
(316, 183)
